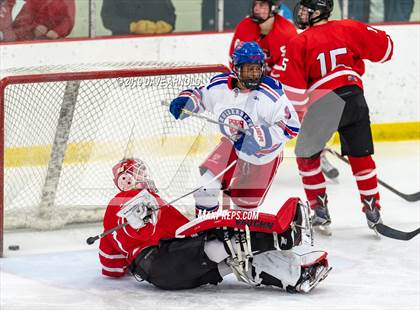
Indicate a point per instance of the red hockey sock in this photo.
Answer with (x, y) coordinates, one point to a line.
(312, 178)
(364, 170)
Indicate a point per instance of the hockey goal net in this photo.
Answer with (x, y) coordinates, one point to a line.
(63, 132)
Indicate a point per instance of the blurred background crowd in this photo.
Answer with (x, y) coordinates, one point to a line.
(55, 19)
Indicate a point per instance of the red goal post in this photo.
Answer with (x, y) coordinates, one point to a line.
(63, 131)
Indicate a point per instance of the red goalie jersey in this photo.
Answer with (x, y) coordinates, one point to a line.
(117, 250)
(329, 56)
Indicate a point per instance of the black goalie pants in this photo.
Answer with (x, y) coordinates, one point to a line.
(176, 264)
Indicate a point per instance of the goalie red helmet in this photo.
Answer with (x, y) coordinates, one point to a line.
(131, 173)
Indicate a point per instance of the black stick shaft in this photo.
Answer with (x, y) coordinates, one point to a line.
(92, 239)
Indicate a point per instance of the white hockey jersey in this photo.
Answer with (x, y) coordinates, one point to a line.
(267, 106)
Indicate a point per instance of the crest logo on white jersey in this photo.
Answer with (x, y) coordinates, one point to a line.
(235, 117)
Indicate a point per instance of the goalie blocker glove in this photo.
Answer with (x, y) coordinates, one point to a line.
(140, 210)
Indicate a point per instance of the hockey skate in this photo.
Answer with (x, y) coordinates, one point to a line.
(372, 212)
(321, 219)
(310, 278)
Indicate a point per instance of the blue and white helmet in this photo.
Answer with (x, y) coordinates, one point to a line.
(248, 53)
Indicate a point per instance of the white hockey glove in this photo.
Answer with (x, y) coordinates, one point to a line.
(140, 210)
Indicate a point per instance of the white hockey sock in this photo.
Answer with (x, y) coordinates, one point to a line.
(207, 198)
(224, 269)
(215, 251)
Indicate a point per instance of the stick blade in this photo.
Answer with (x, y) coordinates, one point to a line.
(413, 197)
(389, 232)
(91, 240)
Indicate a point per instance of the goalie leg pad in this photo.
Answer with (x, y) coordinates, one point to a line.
(177, 264)
(221, 157)
(291, 270)
(261, 222)
(282, 265)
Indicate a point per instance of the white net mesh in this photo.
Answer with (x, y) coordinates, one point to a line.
(95, 123)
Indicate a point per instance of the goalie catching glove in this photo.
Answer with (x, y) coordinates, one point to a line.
(140, 210)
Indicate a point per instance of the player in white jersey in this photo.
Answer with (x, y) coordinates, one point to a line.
(249, 99)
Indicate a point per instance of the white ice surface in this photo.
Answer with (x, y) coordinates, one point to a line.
(57, 270)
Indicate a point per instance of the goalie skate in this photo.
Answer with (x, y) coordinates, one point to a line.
(311, 277)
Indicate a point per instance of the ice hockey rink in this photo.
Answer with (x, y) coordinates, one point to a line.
(58, 270)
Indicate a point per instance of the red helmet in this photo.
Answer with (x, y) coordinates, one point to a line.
(131, 173)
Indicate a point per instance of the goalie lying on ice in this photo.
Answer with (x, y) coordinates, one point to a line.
(162, 247)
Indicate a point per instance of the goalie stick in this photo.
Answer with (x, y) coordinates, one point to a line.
(409, 197)
(92, 239)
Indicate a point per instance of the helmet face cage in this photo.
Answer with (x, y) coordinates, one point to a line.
(132, 173)
(325, 7)
(273, 10)
(248, 53)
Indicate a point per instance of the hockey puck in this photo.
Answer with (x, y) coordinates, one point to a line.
(13, 247)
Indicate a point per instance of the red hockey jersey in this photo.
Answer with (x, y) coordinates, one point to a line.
(119, 249)
(328, 56)
(273, 44)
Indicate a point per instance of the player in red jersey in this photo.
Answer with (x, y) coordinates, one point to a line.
(270, 30)
(323, 70)
(160, 246)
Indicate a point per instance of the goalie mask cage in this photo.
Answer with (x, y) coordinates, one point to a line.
(63, 131)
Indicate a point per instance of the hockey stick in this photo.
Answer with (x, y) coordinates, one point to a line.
(210, 120)
(92, 239)
(394, 233)
(409, 197)
(328, 169)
